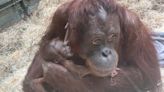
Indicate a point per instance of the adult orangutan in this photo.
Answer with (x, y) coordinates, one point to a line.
(93, 38)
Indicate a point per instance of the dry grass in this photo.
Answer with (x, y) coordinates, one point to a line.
(151, 11)
(19, 42)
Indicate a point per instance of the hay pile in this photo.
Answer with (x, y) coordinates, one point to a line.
(19, 42)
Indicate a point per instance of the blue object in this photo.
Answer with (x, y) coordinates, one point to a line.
(158, 38)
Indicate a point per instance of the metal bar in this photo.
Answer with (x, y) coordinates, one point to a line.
(24, 7)
(158, 38)
(158, 34)
(8, 4)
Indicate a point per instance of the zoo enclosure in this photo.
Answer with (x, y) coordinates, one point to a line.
(12, 11)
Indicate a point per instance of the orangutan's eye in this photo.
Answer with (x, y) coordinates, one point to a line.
(96, 41)
(111, 37)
